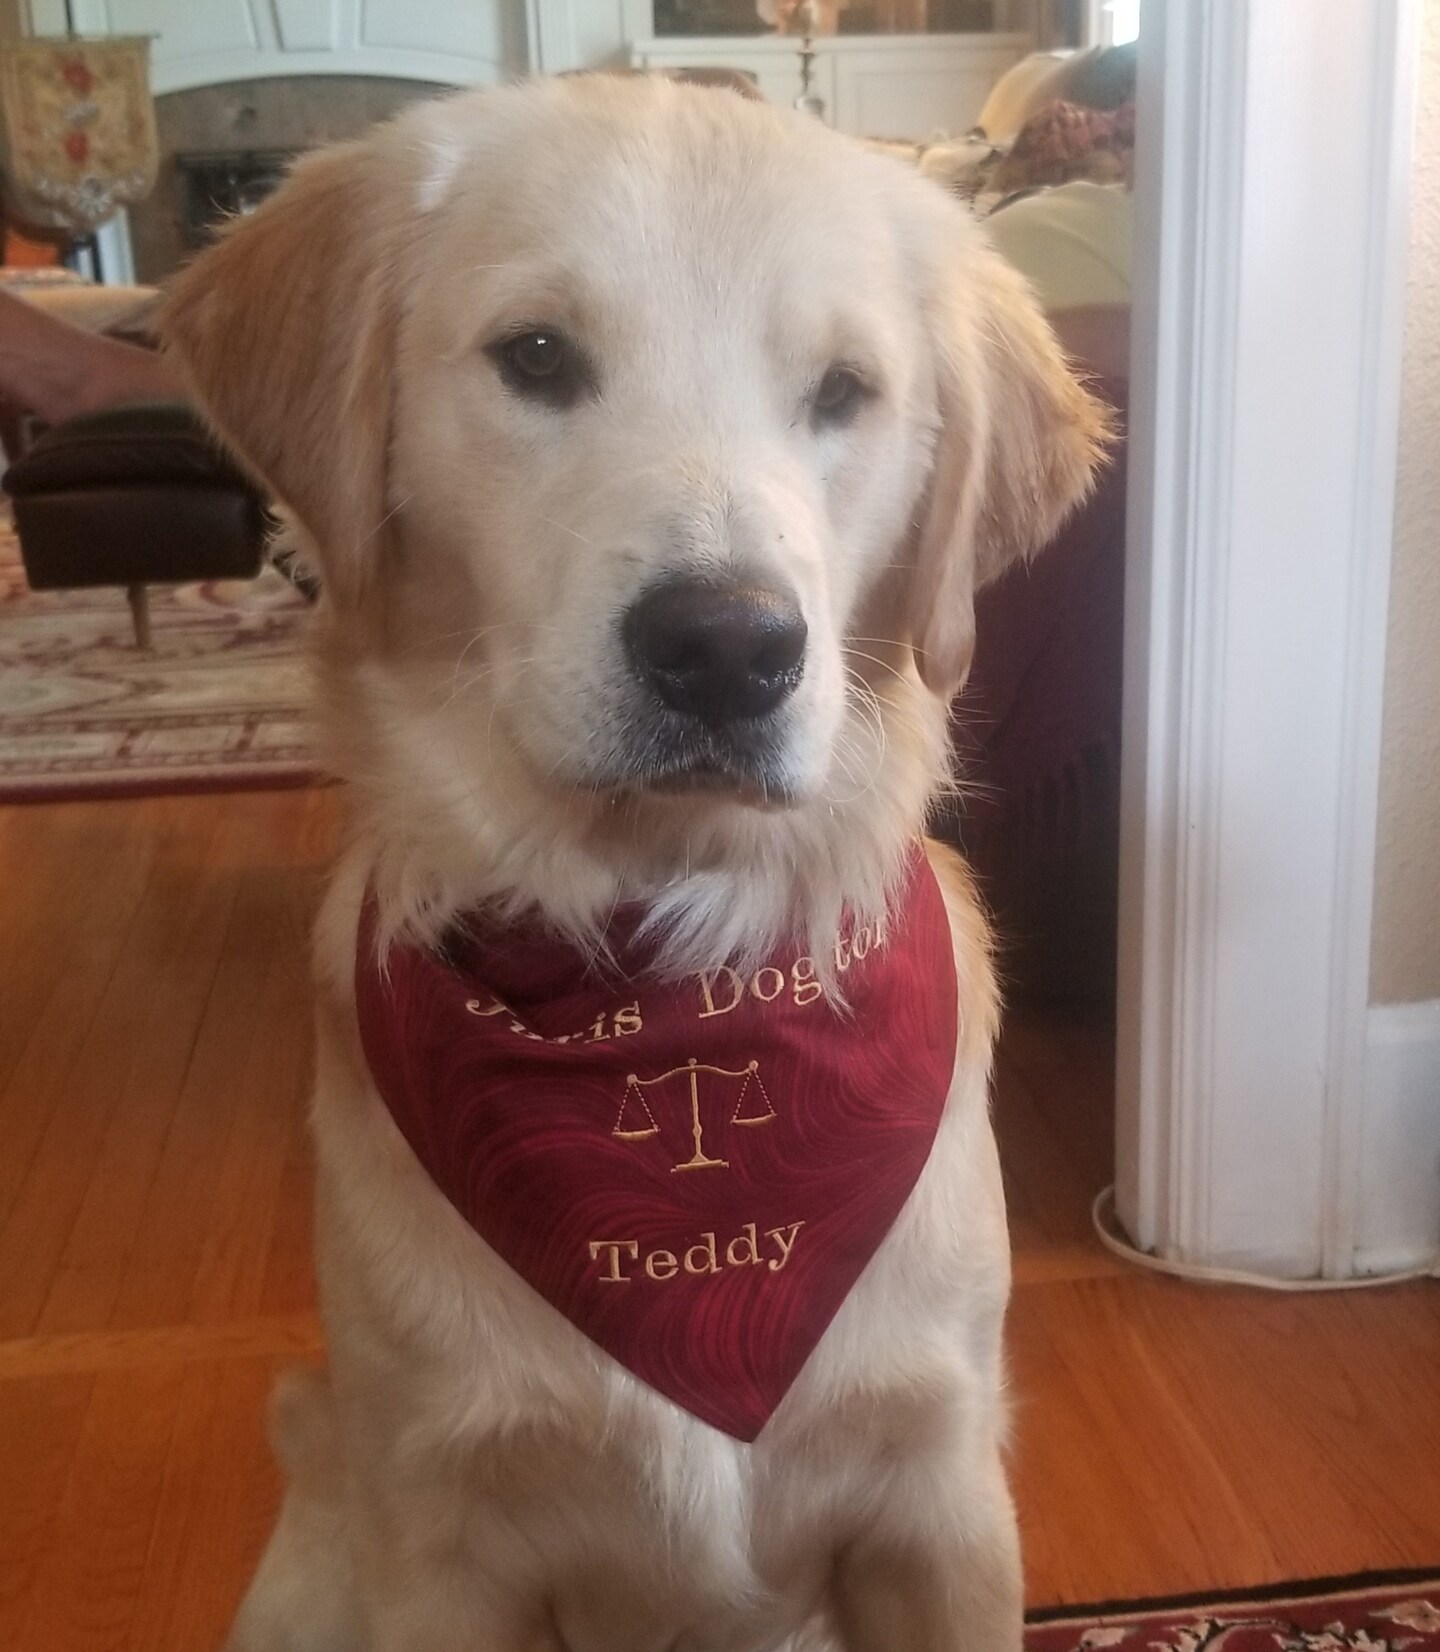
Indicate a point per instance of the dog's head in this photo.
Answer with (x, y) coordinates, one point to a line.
(652, 444)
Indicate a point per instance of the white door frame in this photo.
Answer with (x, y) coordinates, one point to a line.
(1273, 197)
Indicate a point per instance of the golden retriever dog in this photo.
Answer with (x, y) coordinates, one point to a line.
(650, 444)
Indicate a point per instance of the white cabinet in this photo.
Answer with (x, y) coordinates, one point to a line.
(877, 86)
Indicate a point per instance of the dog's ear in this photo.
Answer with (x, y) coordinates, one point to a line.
(284, 332)
(1017, 448)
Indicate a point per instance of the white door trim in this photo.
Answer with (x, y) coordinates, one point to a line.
(1274, 174)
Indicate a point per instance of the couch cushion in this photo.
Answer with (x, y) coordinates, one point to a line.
(139, 535)
(145, 444)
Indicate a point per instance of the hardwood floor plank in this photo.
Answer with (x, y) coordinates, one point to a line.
(174, 982)
(272, 1092)
(40, 1424)
(165, 1257)
(84, 1592)
(40, 914)
(289, 1282)
(216, 1508)
(85, 1097)
(1342, 1403)
(294, 1335)
(1113, 1482)
(1067, 1064)
(1188, 1438)
(54, 981)
(1048, 1189)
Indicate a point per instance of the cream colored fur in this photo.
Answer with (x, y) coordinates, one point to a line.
(472, 1473)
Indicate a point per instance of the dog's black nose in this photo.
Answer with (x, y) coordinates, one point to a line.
(721, 653)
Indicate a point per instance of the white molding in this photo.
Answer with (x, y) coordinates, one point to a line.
(1396, 1212)
(1274, 181)
(550, 34)
(1187, 190)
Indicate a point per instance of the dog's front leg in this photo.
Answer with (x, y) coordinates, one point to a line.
(951, 1583)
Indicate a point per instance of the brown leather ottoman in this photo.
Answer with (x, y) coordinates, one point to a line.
(134, 496)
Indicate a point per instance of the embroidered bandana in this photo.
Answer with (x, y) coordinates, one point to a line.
(694, 1173)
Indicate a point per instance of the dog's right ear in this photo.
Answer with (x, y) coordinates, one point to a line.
(1018, 444)
(284, 332)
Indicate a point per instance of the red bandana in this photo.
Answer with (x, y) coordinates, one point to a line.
(694, 1173)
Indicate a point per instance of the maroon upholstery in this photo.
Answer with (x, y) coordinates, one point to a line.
(1037, 735)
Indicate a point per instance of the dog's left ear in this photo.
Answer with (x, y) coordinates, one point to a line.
(284, 334)
(1018, 445)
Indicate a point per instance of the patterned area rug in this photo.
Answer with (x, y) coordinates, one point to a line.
(1378, 1612)
(217, 704)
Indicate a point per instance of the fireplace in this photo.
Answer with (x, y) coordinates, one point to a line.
(223, 148)
(224, 184)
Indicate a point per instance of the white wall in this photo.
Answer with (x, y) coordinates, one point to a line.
(1398, 1198)
(1405, 965)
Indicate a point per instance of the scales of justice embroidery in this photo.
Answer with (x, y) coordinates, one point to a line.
(634, 1098)
(695, 1173)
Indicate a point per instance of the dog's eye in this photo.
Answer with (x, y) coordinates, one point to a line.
(838, 396)
(541, 363)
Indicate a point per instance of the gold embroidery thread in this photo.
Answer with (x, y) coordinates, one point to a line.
(628, 1125)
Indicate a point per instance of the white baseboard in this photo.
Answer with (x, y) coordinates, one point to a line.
(1397, 1222)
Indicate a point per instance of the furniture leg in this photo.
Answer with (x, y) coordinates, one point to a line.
(139, 596)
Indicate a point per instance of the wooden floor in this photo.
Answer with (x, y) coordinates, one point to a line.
(154, 1271)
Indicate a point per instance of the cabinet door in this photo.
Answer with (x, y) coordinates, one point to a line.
(774, 66)
(915, 90)
(477, 29)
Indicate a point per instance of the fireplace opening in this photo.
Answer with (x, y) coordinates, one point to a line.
(225, 184)
(224, 148)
